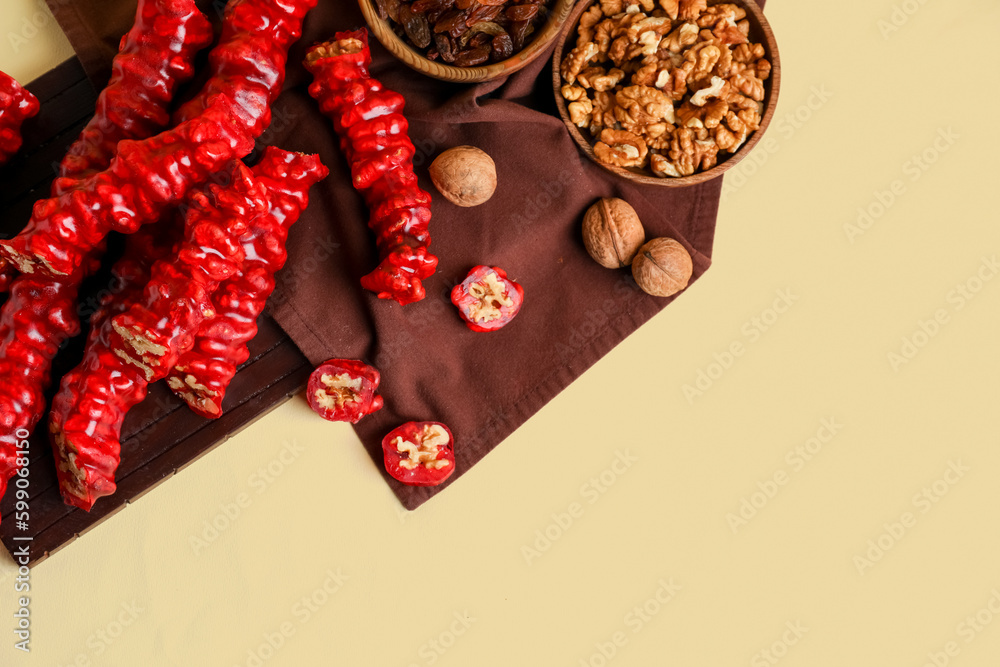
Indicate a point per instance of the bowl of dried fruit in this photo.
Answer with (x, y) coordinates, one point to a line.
(466, 41)
(667, 92)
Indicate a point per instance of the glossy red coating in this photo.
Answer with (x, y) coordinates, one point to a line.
(16, 106)
(160, 325)
(202, 374)
(87, 412)
(86, 419)
(373, 136)
(94, 398)
(7, 275)
(248, 64)
(143, 180)
(154, 58)
(38, 317)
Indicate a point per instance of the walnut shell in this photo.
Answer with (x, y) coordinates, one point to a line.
(465, 175)
(663, 267)
(612, 233)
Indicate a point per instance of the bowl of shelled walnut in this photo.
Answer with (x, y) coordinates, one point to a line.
(667, 92)
(466, 41)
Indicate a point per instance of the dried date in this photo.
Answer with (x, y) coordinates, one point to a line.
(388, 9)
(483, 13)
(466, 33)
(451, 22)
(427, 6)
(415, 26)
(445, 47)
(472, 57)
(503, 47)
(522, 12)
(519, 31)
(480, 39)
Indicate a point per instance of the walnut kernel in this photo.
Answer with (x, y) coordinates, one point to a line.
(425, 451)
(665, 84)
(621, 148)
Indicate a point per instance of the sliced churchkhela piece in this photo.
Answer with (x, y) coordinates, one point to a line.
(373, 136)
(201, 376)
(344, 390)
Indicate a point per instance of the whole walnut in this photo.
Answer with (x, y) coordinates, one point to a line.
(465, 175)
(662, 267)
(612, 233)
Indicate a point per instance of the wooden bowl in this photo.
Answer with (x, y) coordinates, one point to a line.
(412, 58)
(760, 32)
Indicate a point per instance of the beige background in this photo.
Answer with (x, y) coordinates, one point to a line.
(790, 580)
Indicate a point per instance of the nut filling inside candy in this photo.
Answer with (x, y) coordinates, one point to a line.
(425, 450)
(193, 392)
(339, 48)
(338, 390)
(490, 298)
(67, 463)
(143, 348)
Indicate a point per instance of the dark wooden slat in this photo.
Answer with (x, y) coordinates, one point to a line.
(57, 80)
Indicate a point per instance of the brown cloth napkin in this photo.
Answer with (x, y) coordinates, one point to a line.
(483, 385)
